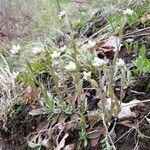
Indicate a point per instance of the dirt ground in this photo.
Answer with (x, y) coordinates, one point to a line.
(14, 27)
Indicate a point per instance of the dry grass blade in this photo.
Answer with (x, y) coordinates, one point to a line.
(8, 92)
(62, 142)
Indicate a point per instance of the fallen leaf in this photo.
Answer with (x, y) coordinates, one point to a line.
(28, 96)
(71, 125)
(62, 118)
(130, 122)
(113, 42)
(94, 143)
(74, 117)
(36, 112)
(62, 142)
(109, 46)
(126, 109)
(93, 119)
(69, 147)
(42, 126)
(94, 134)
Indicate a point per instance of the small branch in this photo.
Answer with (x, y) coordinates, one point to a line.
(135, 32)
(106, 27)
(144, 101)
(76, 1)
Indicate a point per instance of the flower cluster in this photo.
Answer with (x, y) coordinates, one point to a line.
(15, 49)
(120, 63)
(62, 14)
(55, 55)
(91, 44)
(128, 11)
(86, 75)
(63, 49)
(99, 62)
(36, 50)
(71, 66)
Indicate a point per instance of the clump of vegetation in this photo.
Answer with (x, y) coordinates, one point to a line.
(142, 63)
(79, 84)
(8, 92)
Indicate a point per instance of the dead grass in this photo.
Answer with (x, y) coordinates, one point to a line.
(7, 90)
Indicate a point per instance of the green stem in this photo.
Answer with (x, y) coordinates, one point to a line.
(122, 93)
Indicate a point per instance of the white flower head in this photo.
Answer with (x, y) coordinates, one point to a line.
(15, 74)
(62, 49)
(99, 62)
(91, 44)
(55, 55)
(130, 40)
(128, 11)
(62, 14)
(15, 49)
(120, 63)
(71, 66)
(86, 75)
(36, 50)
(84, 48)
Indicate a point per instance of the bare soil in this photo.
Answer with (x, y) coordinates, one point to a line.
(14, 27)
